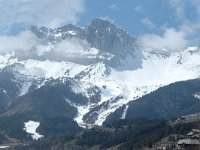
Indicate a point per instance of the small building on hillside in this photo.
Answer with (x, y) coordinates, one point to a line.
(164, 145)
(189, 144)
(191, 141)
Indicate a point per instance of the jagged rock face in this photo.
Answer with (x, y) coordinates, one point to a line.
(115, 45)
(107, 37)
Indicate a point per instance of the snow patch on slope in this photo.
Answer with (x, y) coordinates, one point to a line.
(111, 85)
(31, 127)
(6, 60)
(49, 69)
(82, 110)
(124, 113)
(158, 68)
(71, 32)
(3, 147)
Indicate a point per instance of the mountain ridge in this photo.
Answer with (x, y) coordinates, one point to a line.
(100, 68)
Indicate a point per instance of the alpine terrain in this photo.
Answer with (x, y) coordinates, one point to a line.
(70, 78)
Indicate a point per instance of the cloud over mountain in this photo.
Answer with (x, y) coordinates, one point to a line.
(51, 13)
(171, 40)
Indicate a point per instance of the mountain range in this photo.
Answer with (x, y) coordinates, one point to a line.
(88, 76)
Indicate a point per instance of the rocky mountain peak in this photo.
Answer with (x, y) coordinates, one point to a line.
(102, 24)
(101, 34)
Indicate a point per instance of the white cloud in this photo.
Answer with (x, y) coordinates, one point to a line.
(139, 9)
(114, 7)
(196, 3)
(185, 7)
(51, 13)
(20, 43)
(190, 25)
(178, 6)
(147, 22)
(71, 48)
(185, 34)
(171, 40)
(26, 44)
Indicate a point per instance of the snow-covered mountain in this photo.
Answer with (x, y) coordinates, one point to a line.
(103, 63)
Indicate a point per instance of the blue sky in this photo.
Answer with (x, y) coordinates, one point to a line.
(169, 24)
(172, 23)
(136, 16)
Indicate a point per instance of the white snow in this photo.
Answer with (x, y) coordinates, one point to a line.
(197, 96)
(6, 60)
(25, 88)
(3, 147)
(31, 127)
(71, 32)
(91, 53)
(82, 110)
(156, 69)
(110, 87)
(49, 69)
(58, 35)
(124, 113)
